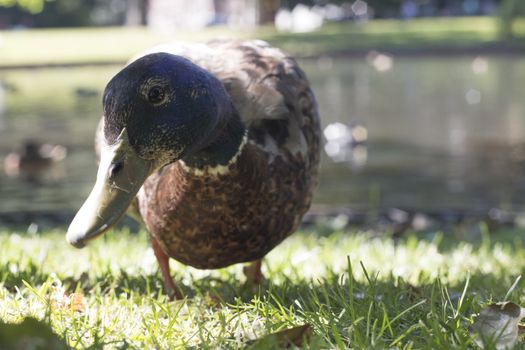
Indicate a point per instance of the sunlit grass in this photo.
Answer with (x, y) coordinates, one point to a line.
(356, 289)
(98, 45)
(91, 45)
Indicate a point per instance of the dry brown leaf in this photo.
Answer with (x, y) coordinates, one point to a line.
(497, 325)
(77, 302)
(60, 300)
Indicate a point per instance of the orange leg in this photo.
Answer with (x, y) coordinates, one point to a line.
(253, 273)
(163, 259)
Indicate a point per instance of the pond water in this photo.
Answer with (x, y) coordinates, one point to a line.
(443, 133)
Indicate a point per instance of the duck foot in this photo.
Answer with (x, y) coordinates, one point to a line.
(174, 293)
(254, 276)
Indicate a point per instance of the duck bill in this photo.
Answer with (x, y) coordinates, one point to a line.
(120, 175)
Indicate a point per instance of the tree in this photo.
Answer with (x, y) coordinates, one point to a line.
(62, 13)
(510, 10)
(31, 6)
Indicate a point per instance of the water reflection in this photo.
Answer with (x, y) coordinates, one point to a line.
(380, 61)
(346, 143)
(441, 133)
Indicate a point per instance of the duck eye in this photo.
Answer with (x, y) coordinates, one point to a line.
(156, 94)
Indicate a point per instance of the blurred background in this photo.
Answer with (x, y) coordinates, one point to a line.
(422, 101)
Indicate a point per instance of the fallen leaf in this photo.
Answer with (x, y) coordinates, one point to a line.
(74, 301)
(497, 325)
(77, 302)
(298, 336)
(30, 334)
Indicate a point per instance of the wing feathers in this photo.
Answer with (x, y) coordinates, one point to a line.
(264, 85)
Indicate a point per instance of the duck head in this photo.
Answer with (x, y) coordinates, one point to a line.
(159, 109)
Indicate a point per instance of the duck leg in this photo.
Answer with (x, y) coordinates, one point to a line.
(163, 259)
(253, 273)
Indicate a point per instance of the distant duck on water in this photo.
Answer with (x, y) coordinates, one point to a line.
(32, 159)
(215, 147)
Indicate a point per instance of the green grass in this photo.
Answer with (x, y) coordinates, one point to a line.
(95, 45)
(355, 289)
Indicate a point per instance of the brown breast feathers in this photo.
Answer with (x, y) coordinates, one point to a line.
(212, 221)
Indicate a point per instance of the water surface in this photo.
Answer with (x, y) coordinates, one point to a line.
(443, 132)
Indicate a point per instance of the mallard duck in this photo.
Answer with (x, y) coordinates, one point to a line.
(215, 147)
(33, 159)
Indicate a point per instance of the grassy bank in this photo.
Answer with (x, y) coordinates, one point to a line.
(353, 290)
(99, 45)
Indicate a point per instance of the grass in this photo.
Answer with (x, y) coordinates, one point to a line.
(355, 289)
(99, 45)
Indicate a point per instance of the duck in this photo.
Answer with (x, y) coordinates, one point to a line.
(214, 147)
(33, 159)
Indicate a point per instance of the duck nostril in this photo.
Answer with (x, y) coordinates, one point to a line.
(115, 168)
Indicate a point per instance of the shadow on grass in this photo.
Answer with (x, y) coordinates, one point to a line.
(14, 273)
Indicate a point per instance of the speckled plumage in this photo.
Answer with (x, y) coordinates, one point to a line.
(210, 219)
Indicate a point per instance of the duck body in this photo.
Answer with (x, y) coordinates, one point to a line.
(217, 216)
(225, 172)
(214, 220)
